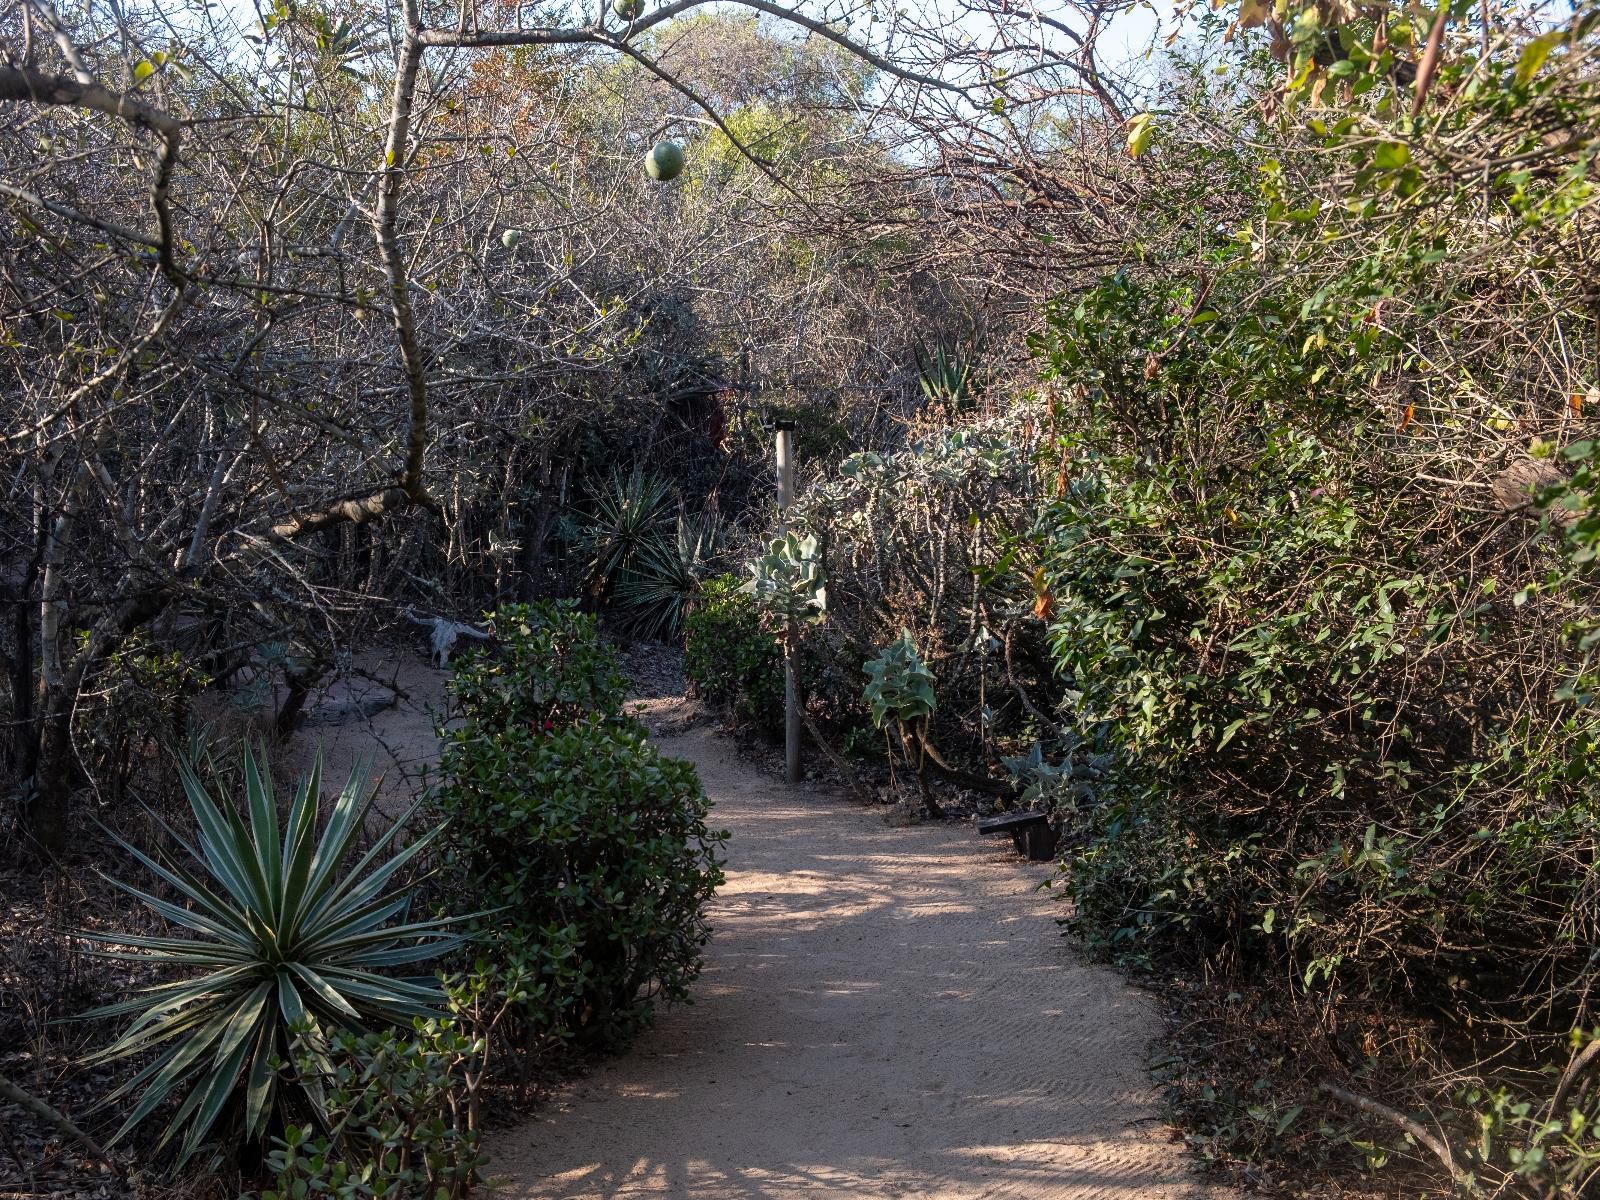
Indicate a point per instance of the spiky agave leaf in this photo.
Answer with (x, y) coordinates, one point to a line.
(630, 517)
(657, 589)
(277, 936)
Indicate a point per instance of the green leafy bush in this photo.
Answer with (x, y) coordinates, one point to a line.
(592, 848)
(281, 933)
(1316, 569)
(731, 660)
(930, 537)
(551, 670)
(392, 1124)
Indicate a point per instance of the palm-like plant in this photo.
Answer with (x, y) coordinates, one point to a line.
(664, 579)
(280, 935)
(630, 517)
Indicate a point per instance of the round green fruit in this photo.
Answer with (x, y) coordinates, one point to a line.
(628, 10)
(510, 238)
(665, 161)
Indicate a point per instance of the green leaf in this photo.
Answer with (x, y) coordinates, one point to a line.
(1391, 156)
(1535, 53)
(1140, 130)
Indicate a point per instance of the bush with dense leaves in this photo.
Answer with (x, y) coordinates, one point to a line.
(551, 670)
(731, 660)
(393, 1122)
(591, 847)
(1311, 599)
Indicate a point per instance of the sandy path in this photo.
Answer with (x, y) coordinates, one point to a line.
(884, 1012)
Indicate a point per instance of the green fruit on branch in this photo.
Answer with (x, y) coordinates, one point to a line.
(510, 238)
(665, 161)
(628, 10)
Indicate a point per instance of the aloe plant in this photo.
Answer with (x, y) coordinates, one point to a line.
(271, 934)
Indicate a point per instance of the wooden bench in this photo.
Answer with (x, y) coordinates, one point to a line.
(1030, 833)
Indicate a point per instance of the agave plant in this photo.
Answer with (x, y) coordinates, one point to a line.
(664, 579)
(273, 933)
(947, 374)
(631, 517)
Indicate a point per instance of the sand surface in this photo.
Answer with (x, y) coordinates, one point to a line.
(884, 1012)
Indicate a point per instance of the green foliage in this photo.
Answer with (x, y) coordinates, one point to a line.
(391, 1123)
(592, 848)
(787, 581)
(1319, 567)
(550, 671)
(898, 684)
(948, 375)
(632, 517)
(930, 537)
(281, 934)
(730, 658)
(138, 710)
(664, 579)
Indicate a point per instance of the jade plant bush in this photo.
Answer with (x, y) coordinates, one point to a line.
(592, 848)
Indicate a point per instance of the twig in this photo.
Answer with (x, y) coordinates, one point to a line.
(54, 1117)
(838, 760)
(1439, 1147)
(1580, 1063)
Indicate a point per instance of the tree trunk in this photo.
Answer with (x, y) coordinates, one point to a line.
(47, 819)
(535, 531)
(300, 684)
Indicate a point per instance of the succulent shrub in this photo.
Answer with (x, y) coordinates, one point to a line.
(787, 580)
(899, 685)
(632, 514)
(274, 928)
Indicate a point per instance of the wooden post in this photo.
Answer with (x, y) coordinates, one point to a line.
(791, 652)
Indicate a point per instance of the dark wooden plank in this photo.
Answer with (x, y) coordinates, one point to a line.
(1016, 822)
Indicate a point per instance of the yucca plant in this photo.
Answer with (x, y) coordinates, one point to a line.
(631, 516)
(272, 934)
(657, 589)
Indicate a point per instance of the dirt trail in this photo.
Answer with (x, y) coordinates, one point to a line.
(884, 1012)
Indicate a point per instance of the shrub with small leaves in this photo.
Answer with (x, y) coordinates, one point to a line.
(591, 847)
(731, 660)
(550, 670)
(392, 1125)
